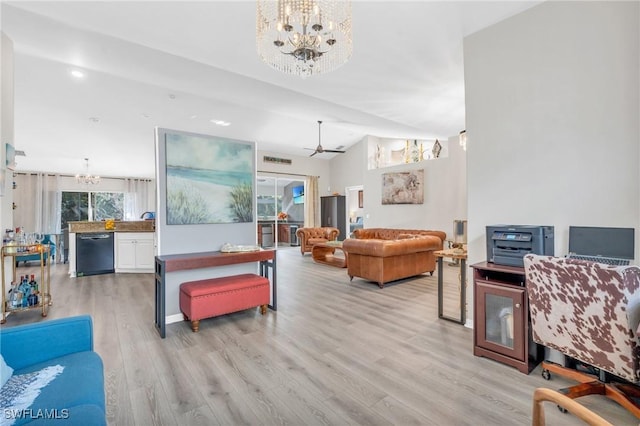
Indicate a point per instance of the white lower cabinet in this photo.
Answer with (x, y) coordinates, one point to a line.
(135, 252)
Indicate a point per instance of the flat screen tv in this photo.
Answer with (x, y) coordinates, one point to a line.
(298, 194)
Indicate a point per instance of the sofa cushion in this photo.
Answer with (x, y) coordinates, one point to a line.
(386, 248)
(395, 234)
(80, 384)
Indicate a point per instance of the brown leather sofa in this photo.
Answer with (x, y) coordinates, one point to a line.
(310, 236)
(385, 254)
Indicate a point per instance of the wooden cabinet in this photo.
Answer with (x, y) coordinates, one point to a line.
(283, 233)
(501, 317)
(333, 213)
(135, 252)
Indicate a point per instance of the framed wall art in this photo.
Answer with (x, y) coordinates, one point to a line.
(208, 180)
(403, 187)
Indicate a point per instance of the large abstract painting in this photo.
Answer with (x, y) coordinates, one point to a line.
(209, 180)
(403, 187)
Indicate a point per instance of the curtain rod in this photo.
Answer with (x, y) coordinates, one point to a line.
(73, 176)
(288, 174)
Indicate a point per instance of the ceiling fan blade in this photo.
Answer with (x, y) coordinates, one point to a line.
(320, 149)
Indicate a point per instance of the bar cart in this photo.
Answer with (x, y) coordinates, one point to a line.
(42, 298)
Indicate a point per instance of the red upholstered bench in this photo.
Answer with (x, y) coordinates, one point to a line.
(218, 296)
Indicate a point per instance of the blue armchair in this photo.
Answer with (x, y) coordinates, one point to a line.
(36, 256)
(76, 394)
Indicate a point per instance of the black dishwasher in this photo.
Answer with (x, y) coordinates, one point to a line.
(94, 253)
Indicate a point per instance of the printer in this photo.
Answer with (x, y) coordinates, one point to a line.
(508, 244)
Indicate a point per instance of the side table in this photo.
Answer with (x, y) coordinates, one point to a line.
(325, 253)
(460, 256)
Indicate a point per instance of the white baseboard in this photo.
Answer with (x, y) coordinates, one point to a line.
(170, 319)
(468, 323)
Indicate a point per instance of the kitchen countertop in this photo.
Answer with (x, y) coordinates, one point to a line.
(120, 226)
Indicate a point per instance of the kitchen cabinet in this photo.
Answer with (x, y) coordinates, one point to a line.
(135, 252)
(283, 233)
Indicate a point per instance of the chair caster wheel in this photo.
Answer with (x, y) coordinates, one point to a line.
(562, 410)
(546, 375)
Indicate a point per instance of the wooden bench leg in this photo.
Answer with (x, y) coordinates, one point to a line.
(195, 326)
(263, 309)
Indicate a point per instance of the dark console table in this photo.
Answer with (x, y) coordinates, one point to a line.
(501, 317)
(182, 262)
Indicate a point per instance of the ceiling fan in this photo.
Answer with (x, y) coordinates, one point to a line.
(319, 148)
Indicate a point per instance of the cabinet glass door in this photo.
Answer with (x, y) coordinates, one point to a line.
(501, 315)
(498, 319)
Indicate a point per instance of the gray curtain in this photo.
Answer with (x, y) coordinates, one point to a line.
(136, 198)
(311, 202)
(38, 203)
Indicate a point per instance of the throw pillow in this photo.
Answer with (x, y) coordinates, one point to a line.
(21, 390)
(5, 371)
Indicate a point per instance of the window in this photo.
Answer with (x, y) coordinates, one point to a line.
(269, 206)
(77, 206)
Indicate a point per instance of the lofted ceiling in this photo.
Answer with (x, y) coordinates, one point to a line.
(179, 65)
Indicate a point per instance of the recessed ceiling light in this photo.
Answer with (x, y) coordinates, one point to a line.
(94, 119)
(77, 73)
(145, 115)
(221, 123)
(172, 96)
(193, 117)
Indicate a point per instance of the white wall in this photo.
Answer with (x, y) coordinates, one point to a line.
(6, 136)
(6, 128)
(552, 111)
(347, 169)
(444, 193)
(300, 166)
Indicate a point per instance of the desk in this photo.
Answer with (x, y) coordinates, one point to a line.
(182, 262)
(462, 257)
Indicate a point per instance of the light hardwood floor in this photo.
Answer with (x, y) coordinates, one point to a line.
(335, 353)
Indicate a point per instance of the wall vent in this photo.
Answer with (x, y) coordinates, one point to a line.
(277, 160)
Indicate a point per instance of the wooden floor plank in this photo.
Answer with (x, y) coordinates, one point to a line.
(335, 353)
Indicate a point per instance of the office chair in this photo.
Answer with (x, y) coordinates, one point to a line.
(541, 395)
(590, 313)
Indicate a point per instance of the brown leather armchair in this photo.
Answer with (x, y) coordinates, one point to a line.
(310, 236)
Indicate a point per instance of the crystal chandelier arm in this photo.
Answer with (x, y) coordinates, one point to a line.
(319, 38)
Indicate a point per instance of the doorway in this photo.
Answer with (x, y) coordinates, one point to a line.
(355, 207)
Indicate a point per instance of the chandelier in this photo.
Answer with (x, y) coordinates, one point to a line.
(87, 178)
(304, 37)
